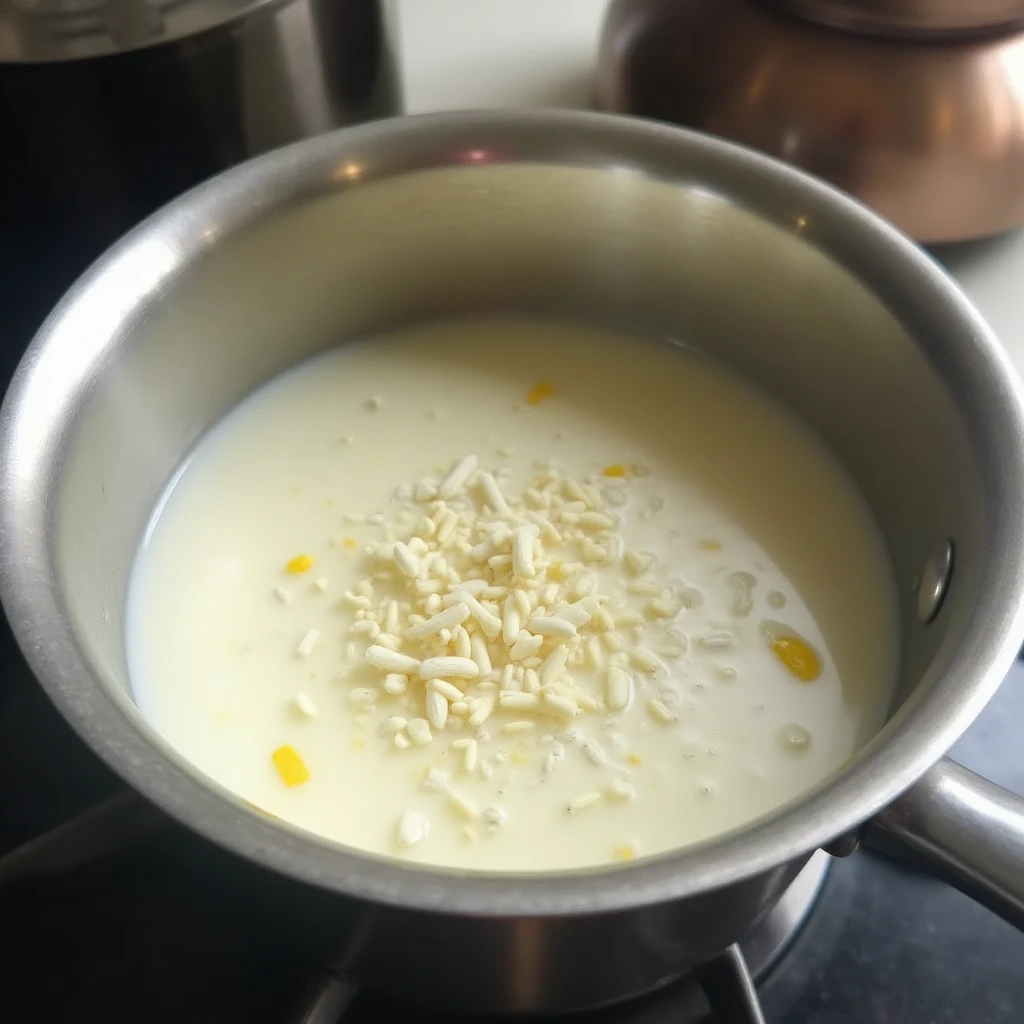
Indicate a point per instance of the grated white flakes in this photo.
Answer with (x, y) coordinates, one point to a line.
(564, 707)
(636, 563)
(512, 700)
(618, 689)
(457, 478)
(437, 708)
(436, 781)
(391, 661)
(596, 521)
(413, 828)
(593, 653)
(304, 705)
(522, 551)
(553, 665)
(494, 818)
(519, 726)
(470, 753)
(644, 660)
(581, 803)
(492, 494)
(463, 806)
(578, 614)
(478, 599)
(448, 666)
(553, 759)
(620, 789)
(449, 691)
(408, 564)
(719, 640)
(482, 712)
(308, 643)
(395, 684)
(510, 620)
(480, 654)
(463, 648)
(447, 619)
(526, 646)
(489, 622)
(553, 626)
(660, 712)
(419, 732)
(283, 594)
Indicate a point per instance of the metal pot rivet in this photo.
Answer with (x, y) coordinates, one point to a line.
(934, 581)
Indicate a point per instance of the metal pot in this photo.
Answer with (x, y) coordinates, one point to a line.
(929, 134)
(110, 108)
(575, 215)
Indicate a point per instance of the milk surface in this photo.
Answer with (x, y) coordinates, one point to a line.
(751, 553)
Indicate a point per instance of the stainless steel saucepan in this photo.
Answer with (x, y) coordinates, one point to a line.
(572, 215)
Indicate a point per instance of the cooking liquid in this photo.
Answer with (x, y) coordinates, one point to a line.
(772, 663)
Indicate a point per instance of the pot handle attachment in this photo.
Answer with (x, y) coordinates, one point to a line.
(966, 830)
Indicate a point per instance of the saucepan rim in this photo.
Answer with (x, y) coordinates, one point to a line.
(899, 272)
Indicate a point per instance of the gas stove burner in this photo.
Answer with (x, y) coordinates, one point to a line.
(720, 991)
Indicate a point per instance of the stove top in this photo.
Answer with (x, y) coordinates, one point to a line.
(139, 920)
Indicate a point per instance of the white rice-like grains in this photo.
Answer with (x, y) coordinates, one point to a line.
(308, 643)
(618, 689)
(457, 478)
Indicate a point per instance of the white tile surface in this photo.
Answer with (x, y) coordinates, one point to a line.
(498, 53)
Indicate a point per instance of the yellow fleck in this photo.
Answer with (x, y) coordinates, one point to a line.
(541, 390)
(358, 743)
(710, 545)
(290, 766)
(299, 564)
(616, 469)
(330, 502)
(635, 759)
(798, 656)
(519, 756)
(349, 542)
(625, 852)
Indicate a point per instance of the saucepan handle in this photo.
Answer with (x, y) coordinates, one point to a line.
(966, 830)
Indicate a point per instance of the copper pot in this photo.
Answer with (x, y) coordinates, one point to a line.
(917, 18)
(930, 134)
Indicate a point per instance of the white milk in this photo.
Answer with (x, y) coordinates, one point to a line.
(233, 657)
